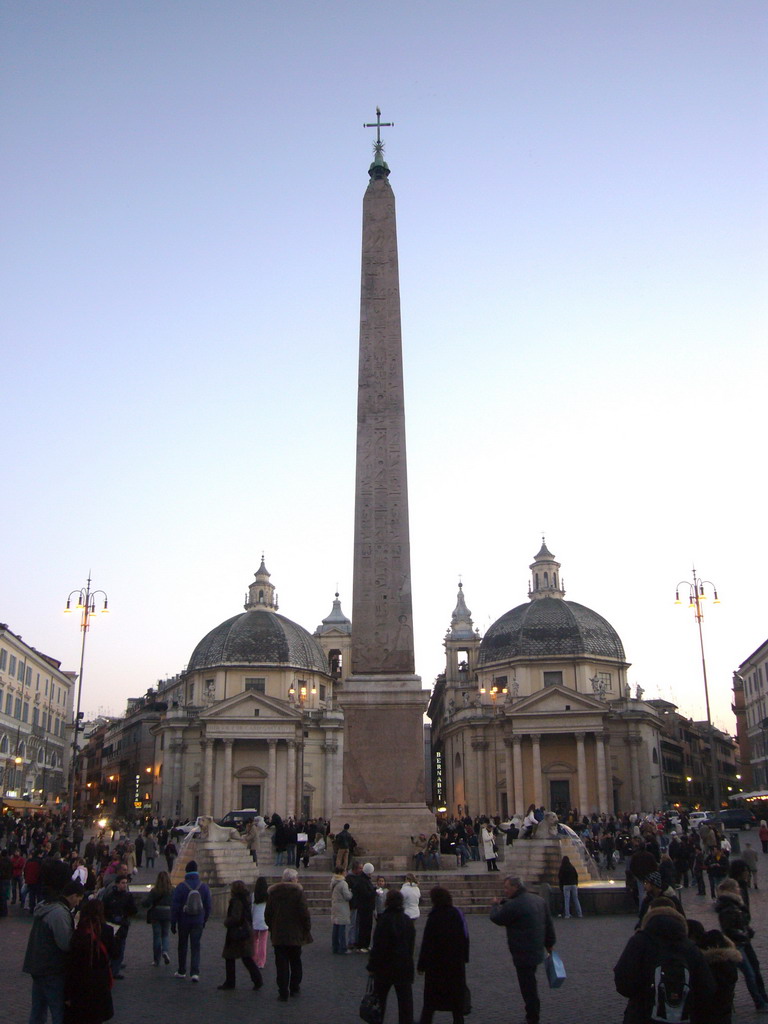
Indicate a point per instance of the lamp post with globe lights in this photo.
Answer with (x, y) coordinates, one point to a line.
(697, 595)
(86, 605)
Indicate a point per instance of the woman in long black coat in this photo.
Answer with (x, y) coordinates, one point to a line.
(88, 978)
(238, 944)
(391, 958)
(443, 958)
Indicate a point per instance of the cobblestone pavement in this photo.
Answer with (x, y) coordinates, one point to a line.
(333, 985)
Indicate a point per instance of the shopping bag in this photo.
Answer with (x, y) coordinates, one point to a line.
(555, 970)
(370, 1007)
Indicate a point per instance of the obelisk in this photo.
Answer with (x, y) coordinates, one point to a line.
(383, 795)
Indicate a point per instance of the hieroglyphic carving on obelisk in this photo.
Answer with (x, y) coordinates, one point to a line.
(382, 636)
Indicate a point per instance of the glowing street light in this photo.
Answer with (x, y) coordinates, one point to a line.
(86, 605)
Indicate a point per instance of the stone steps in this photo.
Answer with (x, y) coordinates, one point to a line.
(472, 893)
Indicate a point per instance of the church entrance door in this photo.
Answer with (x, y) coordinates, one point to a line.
(251, 797)
(559, 796)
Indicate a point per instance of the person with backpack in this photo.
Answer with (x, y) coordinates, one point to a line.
(661, 972)
(190, 910)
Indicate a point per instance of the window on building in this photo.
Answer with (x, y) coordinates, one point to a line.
(35, 716)
(191, 697)
(12, 666)
(46, 687)
(37, 682)
(20, 672)
(29, 677)
(8, 704)
(25, 712)
(17, 708)
(606, 679)
(3, 659)
(4, 745)
(553, 678)
(321, 689)
(257, 684)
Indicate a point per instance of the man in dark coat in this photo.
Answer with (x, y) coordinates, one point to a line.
(529, 933)
(287, 917)
(663, 933)
(391, 957)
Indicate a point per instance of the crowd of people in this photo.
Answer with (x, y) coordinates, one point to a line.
(82, 907)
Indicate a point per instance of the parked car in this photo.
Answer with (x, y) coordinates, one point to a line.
(695, 818)
(239, 819)
(737, 817)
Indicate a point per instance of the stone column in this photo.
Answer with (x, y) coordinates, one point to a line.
(270, 796)
(206, 778)
(510, 776)
(581, 761)
(330, 748)
(602, 780)
(633, 742)
(480, 747)
(291, 798)
(517, 759)
(177, 749)
(300, 779)
(226, 795)
(538, 789)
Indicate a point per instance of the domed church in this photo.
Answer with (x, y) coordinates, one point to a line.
(539, 711)
(252, 721)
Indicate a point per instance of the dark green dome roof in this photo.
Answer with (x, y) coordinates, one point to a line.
(259, 637)
(550, 627)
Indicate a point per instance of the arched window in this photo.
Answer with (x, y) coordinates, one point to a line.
(4, 745)
(457, 761)
(655, 756)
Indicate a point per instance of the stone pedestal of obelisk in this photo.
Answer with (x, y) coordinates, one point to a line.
(383, 796)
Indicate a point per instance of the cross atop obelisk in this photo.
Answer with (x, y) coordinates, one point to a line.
(378, 124)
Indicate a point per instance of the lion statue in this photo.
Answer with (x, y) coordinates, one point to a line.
(214, 833)
(547, 827)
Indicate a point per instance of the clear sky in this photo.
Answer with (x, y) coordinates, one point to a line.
(582, 230)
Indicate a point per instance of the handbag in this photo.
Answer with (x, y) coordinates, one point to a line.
(555, 970)
(370, 1007)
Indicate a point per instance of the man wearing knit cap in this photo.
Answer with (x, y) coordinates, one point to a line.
(654, 887)
(190, 910)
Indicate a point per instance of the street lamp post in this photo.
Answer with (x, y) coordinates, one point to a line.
(697, 594)
(86, 605)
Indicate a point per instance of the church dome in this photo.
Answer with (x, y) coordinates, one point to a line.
(259, 637)
(550, 627)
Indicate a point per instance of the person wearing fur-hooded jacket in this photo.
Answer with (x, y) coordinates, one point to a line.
(663, 931)
(723, 960)
(734, 922)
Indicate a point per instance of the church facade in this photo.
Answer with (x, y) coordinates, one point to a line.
(253, 721)
(539, 711)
